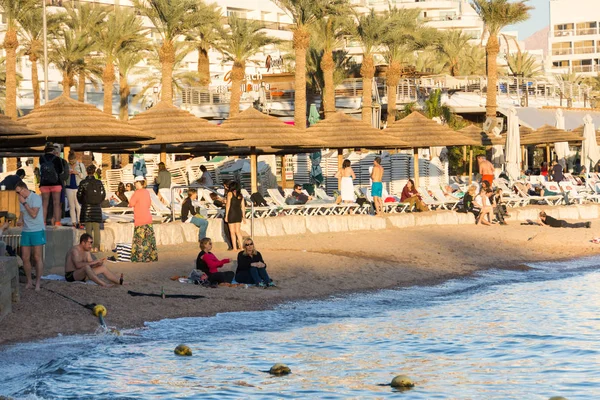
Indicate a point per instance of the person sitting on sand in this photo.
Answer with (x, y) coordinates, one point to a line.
(79, 265)
(546, 220)
(212, 263)
(251, 267)
(482, 202)
(410, 195)
(499, 208)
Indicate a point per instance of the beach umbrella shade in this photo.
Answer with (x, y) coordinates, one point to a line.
(513, 146)
(418, 131)
(561, 148)
(316, 172)
(171, 125)
(262, 131)
(547, 135)
(8, 128)
(483, 139)
(590, 154)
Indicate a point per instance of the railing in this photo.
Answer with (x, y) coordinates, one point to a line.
(584, 50)
(199, 96)
(564, 32)
(273, 25)
(562, 52)
(584, 68)
(587, 31)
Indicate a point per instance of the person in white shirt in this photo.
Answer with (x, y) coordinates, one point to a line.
(482, 201)
(206, 178)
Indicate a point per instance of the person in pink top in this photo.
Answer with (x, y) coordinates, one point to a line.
(210, 264)
(143, 247)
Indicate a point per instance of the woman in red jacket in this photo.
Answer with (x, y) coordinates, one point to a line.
(410, 195)
(210, 264)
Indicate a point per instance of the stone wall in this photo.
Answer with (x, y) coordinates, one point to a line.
(9, 284)
(178, 232)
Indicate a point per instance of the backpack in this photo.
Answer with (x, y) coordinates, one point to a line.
(94, 193)
(48, 173)
(201, 264)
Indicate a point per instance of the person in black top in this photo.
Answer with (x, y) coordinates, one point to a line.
(189, 210)
(250, 266)
(51, 183)
(299, 197)
(10, 182)
(546, 220)
(91, 194)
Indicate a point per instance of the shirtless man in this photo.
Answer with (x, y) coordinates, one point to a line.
(377, 186)
(486, 170)
(79, 265)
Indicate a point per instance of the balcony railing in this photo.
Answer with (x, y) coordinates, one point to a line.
(562, 52)
(584, 50)
(584, 68)
(564, 32)
(587, 31)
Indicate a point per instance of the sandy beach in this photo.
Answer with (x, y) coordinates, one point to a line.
(304, 267)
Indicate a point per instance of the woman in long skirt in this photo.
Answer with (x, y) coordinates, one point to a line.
(143, 247)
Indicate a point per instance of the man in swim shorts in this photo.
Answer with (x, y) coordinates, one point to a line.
(33, 236)
(79, 265)
(377, 186)
(486, 169)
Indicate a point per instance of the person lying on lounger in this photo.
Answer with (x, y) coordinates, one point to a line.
(546, 220)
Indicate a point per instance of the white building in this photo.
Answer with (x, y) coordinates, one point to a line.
(574, 39)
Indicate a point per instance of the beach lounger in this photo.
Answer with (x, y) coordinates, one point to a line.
(439, 195)
(573, 195)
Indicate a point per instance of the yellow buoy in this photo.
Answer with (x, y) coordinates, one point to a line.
(99, 310)
(280, 369)
(402, 381)
(183, 350)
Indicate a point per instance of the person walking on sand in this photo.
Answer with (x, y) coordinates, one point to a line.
(377, 186)
(33, 237)
(91, 194)
(346, 176)
(79, 265)
(143, 246)
(235, 215)
(486, 169)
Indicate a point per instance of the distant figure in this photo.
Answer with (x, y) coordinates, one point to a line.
(3, 227)
(546, 220)
(212, 263)
(143, 246)
(192, 213)
(77, 172)
(486, 169)
(206, 178)
(33, 236)
(235, 214)
(557, 172)
(79, 265)
(377, 186)
(499, 208)
(544, 169)
(251, 267)
(410, 195)
(91, 194)
(139, 168)
(120, 194)
(51, 170)
(129, 187)
(346, 176)
(10, 181)
(298, 197)
(217, 200)
(163, 180)
(482, 202)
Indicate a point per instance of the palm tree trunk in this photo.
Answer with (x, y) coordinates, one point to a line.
(35, 80)
(393, 77)
(166, 56)
(237, 76)
(108, 80)
(66, 84)
(11, 43)
(328, 66)
(124, 91)
(492, 48)
(81, 87)
(301, 41)
(367, 71)
(203, 67)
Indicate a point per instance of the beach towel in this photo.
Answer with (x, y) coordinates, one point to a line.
(55, 277)
(124, 252)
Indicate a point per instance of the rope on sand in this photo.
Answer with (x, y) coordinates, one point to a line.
(97, 309)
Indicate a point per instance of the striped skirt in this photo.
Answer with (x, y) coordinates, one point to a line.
(143, 248)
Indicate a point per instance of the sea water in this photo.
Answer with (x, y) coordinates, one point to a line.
(496, 335)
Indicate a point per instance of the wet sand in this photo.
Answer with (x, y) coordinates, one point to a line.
(304, 267)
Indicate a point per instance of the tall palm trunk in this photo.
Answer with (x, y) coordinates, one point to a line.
(67, 83)
(35, 80)
(301, 41)
(10, 45)
(367, 71)
(492, 48)
(81, 87)
(203, 67)
(237, 76)
(124, 91)
(393, 77)
(108, 80)
(328, 66)
(166, 56)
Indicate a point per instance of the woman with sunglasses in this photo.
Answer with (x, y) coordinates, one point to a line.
(251, 267)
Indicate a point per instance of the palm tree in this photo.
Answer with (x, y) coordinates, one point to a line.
(67, 53)
(13, 11)
(122, 32)
(205, 37)
(523, 64)
(242, 40)
(304, 13)
(31, 38)
(472, 61)
(497, 14)
(451, 45)
(126, 61)
(404, 34)
(172, 19)
(3, 83)
(369, 31)
(430, 62)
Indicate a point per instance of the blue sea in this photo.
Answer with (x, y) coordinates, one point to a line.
(496, 335)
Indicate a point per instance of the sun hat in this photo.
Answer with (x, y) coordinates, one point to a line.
(139, 178)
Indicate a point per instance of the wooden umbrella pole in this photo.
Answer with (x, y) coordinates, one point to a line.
(416, 166)
(548, 154)
(253, 178)
(67, 148)
(340, 163)
(283, 173)
(465, 160)
(471, 166)
(163, 153)
(523, 161)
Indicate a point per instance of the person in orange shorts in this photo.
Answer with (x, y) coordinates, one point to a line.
(486, 169)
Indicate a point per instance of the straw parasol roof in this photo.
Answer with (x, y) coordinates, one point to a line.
(482, 137)
(419, 131)
(8, 127)
(340, 131)
(260, 130)
(523, 130)
(171, 125)
(65, 119)
(549, 134)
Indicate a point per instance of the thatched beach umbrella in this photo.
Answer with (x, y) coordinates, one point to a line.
(8, 127)
(171, 125)
(69, 121)
(483, 139)
(548, 134)
(263, 131)
(419, 132)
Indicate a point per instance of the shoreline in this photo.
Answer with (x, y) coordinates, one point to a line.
(305, 267)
